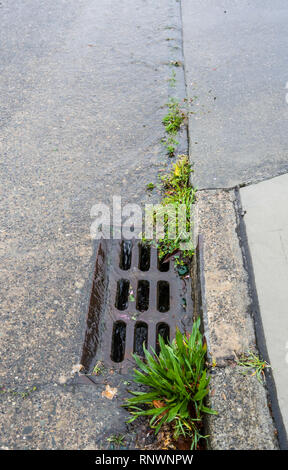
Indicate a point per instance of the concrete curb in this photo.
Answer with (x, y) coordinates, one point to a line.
(223, 299)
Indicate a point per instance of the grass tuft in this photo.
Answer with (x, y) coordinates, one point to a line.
(253, 365)
(178, 383)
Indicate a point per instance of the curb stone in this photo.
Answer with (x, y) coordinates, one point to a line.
(244, 420)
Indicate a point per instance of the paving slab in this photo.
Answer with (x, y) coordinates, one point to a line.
(63, 417)
(236, 66)
(266, 221)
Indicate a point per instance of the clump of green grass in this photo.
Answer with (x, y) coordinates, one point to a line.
(253, 365)
(178, 382)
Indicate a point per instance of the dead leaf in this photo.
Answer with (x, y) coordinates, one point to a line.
(109, 392)
(76, 368)
(158, 404)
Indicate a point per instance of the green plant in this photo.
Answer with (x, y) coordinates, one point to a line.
(253, 365)
(178, 192)
(170, 144)
(178, 381)
(172, 79)
(23, 394)
(150, 186)
(176, 63)
(98, 368)
(174, 118)
(117, 439)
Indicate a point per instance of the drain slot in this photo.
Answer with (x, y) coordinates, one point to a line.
(144, 257)
(118, 341)
(126, 255)
(164, 331)
(163, 296)
(163, 267)
(122, 294)
(143, 289)
(140, 338)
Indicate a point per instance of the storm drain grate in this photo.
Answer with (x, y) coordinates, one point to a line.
(144, 298)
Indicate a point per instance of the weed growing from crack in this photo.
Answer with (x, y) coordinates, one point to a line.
(253, 365)
(24, 394)
(150, 186)
(174, 118)
(175, 63)
(172, 122)
(170, 144)
(172, 79)
(178, 192)
(116, 439)
(98, 368)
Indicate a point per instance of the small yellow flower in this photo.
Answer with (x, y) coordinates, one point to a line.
(177, 170)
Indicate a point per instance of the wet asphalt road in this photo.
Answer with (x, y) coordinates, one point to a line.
(83, 89)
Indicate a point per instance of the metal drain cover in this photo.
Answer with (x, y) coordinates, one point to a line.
(143, 298)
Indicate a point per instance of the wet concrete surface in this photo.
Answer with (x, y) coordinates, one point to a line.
(236, 66)
(83, 92)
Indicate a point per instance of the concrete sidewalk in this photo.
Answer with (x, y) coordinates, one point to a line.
(266, 219)
(236, 73)
(236, 65)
